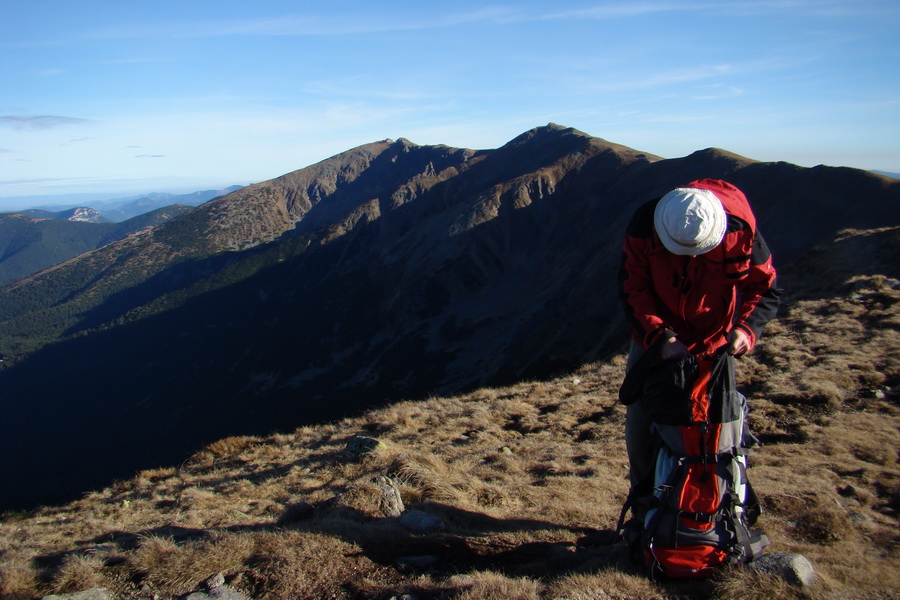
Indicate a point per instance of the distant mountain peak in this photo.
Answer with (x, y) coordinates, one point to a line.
(718, 154)
(551, 131)
(84, 214)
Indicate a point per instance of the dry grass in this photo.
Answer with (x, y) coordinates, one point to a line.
(528, 481)
(749, 585)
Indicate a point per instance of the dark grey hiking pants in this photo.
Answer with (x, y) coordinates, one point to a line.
(638, 441)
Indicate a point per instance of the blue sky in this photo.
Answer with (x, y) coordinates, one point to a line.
(127, 97)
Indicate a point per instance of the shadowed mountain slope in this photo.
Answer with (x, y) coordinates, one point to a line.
(389, 271)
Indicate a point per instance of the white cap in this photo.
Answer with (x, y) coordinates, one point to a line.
(690, 221)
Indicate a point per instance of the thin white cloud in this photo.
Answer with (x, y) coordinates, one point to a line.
(38, 122)
(811, 8)
(663, 79)
(6, 182)
(309, 25)
(618, 11)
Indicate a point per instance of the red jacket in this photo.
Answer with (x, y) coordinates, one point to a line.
(699, 298)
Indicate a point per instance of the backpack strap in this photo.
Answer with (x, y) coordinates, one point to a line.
(751, 542)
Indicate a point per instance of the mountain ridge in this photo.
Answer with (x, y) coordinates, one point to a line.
(388, 271)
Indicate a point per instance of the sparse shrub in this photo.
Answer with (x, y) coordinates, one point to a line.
(230, 446)
(491, 496)
(160, 560)
(489, 585)
(606, 584)
(823, 525)
(746, 584)
(872, 453)
(17, 581)
(299, 566)
(784, 505)
(823, 393)
(158, 474)
(424, 472)
(178, 569)
(79, 573)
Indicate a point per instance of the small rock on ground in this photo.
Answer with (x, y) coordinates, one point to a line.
(419, 521)
(793, 568)
(359, 446)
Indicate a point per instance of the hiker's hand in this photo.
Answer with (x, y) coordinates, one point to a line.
(738, 342)
(673, 348)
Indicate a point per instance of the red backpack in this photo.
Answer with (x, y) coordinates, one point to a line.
(704, 507)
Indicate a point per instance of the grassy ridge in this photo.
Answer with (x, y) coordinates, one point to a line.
(527, 479)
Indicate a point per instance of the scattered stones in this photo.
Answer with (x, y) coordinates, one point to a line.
(793, 568)
(359, 446)
(419, 521)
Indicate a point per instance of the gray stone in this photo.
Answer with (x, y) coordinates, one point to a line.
(391, 502)
(419, 521)
(91, 594)
(217, 580)
(359, 446)
(793, 568)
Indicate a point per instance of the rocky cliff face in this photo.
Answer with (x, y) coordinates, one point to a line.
(389, 271)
